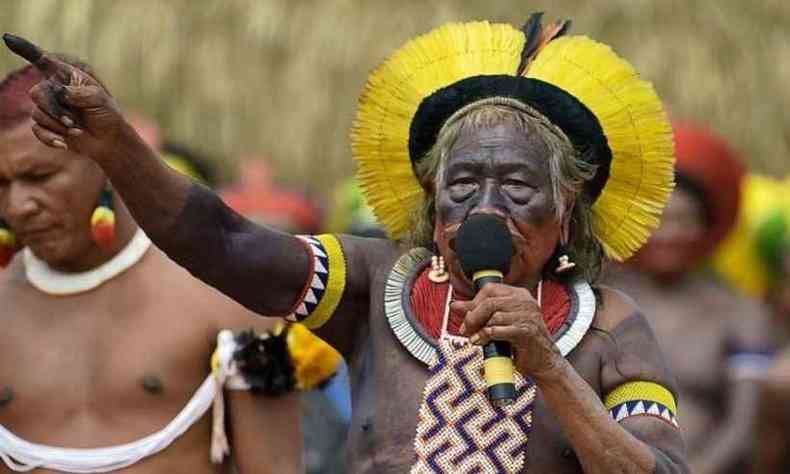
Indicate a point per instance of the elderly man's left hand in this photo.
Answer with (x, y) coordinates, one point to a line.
(507, 313)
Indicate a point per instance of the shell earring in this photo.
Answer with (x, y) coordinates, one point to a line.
(564, 261)
(565, 264)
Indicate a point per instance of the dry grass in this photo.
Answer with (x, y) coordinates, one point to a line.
(280, 77)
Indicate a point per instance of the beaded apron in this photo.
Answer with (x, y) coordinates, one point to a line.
(458, 430)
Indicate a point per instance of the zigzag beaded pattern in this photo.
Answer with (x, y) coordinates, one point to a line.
(643, 408)
(458, 430)
(320, 278)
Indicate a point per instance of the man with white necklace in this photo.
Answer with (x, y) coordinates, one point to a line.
(105, 340)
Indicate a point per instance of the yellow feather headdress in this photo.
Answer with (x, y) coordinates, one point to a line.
(480, 55)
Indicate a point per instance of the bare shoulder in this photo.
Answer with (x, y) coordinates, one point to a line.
(634, 353)
(12, 283)
(365, 257)
(614, 308)
(200, 303)
(14, 274)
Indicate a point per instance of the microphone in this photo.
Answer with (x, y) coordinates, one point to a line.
(485, 247)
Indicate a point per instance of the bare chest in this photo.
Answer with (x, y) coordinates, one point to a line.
(96, 370)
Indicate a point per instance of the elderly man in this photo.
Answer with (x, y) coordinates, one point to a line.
(470, 120)
(106, 342)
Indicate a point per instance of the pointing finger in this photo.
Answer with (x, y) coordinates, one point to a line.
(35, 56)
(23, 48)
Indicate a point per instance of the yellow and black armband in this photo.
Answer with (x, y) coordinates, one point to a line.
(276, 362)
(641, 398)
(325, 284)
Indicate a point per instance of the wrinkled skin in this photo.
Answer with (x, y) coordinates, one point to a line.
(501, 172)
(572, 431)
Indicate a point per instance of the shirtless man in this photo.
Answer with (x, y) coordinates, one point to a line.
(580, 413)
(716, 341)
(104, 345)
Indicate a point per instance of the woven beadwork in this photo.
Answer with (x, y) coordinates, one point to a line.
(327, 282)
(459, 431)
(640, 398)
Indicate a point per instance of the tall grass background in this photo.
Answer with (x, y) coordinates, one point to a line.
(279, 79)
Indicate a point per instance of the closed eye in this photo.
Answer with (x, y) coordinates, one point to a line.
(464, 180)
(39, 177)
(461, 188)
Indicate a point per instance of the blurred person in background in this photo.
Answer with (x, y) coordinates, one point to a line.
(105, 340)
(716, 341)
(773, 438)
(351, 214)
(513, 135)
(258, 198)
(752, 258)
(190, 162)
(761, 253)
(326, 411)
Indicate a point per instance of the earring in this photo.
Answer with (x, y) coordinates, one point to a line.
(565, 264)
(103, 220)
(438, 273)
(8, 246)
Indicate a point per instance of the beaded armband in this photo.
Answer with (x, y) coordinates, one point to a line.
(642, 399)
(325, 284)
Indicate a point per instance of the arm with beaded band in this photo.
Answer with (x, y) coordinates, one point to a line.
(632, 370)
(263, 269)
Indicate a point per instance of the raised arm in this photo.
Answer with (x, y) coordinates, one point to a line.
(263, 269)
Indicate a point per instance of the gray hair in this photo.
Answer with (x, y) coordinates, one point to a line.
(568, 171)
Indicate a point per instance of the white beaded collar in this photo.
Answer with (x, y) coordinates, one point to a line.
(55, 282)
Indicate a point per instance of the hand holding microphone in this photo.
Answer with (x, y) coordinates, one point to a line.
(484, 248)
(505, 319)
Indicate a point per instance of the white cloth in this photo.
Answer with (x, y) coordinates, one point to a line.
(23, 456)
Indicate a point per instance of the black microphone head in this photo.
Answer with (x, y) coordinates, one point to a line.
(484, 243)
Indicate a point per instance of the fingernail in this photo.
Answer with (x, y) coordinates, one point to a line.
(462, 329)
(475, 339)
(59, 144)
(74, 132)
(67, 121)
